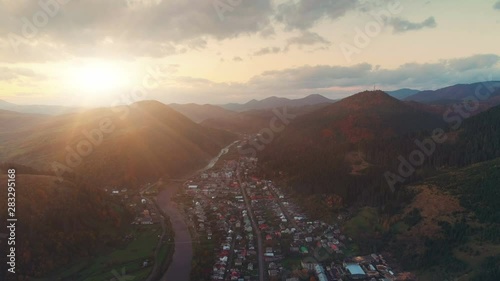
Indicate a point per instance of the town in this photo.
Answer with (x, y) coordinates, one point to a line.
(250, 230)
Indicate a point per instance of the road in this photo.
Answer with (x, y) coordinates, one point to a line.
(285, 211)
(155, 272)
(260, 251)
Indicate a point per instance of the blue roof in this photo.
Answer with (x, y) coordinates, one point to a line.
(320, 272)
(355, 269)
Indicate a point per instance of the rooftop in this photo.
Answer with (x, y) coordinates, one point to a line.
(355, 269)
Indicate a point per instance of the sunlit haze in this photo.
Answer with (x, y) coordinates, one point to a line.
(253, 50)
(255, 140)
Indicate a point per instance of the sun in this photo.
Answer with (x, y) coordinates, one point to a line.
(97, 77)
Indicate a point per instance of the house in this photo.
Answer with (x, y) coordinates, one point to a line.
(320, 272)
(355, 271)
(303, 250)
(272, 273)
(308, 264)
(146, 220)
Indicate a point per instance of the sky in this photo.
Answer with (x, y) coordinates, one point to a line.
(107, 52)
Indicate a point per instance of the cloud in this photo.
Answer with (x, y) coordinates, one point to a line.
(237, 59)
(402, 25)
(497, 6)
(340, 81)
(304, 14)
(268, 32)
(475, 62)
(162, 27)
(306, 38)
(415, 75)
(267, 50)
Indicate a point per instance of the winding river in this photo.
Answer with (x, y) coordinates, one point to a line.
(180, 267)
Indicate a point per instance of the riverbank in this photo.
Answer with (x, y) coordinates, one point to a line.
(180, 264)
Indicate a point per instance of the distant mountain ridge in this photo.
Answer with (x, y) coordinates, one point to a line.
(274, 101)
(401, 94)
(38, 109)
(252, 121)
(455, 92)
(199, 113)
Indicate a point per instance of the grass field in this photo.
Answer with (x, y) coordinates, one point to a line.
(120, 262)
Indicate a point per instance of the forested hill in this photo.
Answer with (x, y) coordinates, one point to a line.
(450, 229)
(121, 146)
(355, 171)
(367, 115)
(73, 219)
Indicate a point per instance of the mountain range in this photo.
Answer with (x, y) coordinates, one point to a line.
(147, 138)
(38, 109)
(431, 204)
(488, 89)
(401, 94)
(272, 102)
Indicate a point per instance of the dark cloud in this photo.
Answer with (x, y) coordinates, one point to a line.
(162, 27)
(237, 59)
(475, 62)
(306, 38)
(497, 6)
(304, 14)
(402, 25)
(267, 51)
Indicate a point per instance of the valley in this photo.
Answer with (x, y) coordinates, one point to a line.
(259, 140)
(171, 198)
